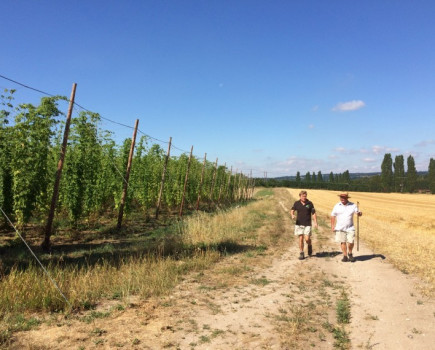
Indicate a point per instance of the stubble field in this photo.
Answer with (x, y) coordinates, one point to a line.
(399, 225)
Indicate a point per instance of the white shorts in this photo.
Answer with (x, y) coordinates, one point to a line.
(344, 236)
(302, 230)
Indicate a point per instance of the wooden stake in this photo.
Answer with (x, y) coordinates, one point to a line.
(163, 178)
(46, 243)
(213, 181)
(221, 184)
(185, 183)
(201, 181)
(127, 175)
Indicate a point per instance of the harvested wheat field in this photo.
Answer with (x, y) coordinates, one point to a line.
(252, 292)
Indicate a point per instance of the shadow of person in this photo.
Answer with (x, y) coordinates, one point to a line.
(368, 257)
(327, 254)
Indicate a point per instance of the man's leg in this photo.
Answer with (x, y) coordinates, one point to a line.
(349, 249)
(301, 247)
(310, 247)
(344, 249)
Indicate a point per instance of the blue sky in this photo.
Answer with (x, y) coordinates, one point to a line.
(276, 86)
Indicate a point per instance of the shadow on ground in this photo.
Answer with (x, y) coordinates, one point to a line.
(327, 254)
(369, 257)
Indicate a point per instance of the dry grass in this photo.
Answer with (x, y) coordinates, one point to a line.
(399, 226)
(201, 240)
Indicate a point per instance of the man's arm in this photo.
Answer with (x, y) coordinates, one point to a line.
(292, 213)
(315, 220)
(332, 223)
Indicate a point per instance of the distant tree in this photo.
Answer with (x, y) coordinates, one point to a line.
(313, 177)
(308, 177)
(319, 176)
(346, 177)
(411, 175)
(387, 173)
(331, 177)
(399, 173)
(431, 175)
(298, 177)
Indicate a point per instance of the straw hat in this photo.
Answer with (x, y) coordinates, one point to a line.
(344, 195)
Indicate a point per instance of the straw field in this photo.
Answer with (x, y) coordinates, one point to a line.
(399, 226)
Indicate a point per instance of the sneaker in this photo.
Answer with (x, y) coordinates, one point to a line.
(345, 259)
(310, 250)
(351, 258)
(301, 256)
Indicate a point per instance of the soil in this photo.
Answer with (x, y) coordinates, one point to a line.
(268, 301)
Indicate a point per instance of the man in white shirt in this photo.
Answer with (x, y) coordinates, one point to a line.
(342, 225)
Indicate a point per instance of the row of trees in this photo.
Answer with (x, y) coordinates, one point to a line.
(392, 178)
(94, 168)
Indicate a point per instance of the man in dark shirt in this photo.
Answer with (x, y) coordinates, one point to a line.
(305, 209)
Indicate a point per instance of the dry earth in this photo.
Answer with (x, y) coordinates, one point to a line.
(266, 300)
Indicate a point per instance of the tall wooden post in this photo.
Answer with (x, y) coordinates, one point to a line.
(46, 243)
(229, 183)
(213, 180)
(163, 178)
(185, 183)
(222, 184)
(201, 181)
(127, 175)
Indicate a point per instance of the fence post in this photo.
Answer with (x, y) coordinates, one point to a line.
(46, 243)
(200, 183)
(163, 178)
(213, 181)
(185, 182)
(229, 183)
(221, 184)
(127, 175)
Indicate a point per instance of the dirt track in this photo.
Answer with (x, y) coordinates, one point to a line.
(268, 301)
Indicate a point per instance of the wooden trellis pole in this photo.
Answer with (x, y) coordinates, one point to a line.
(127, 176)
(222, 184)
(163, 178)
(185, 183)
(201, 181)
(213, 181)
(46, 243)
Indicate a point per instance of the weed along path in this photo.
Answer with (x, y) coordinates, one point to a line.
(258, 295)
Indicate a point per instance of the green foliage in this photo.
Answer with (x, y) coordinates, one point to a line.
(30, 146)
(399, 173)
(82, 167)
(411, 175)
(387, 173)
(431, 175)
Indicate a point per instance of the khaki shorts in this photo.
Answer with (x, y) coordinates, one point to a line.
(345, 236)
(302, 230)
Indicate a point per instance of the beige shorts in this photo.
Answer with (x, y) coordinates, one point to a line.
(345, 236)
(302, 230)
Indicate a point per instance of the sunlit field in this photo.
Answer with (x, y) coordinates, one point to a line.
(399, 226)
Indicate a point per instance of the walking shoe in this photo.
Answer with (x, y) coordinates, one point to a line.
(345, 259)
(301, 256)
(351, 258)
(310, 250)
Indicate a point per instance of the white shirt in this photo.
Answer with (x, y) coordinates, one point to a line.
(344, 216)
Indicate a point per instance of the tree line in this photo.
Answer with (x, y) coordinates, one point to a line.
(392, 178)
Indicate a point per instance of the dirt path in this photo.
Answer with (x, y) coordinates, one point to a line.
(264, 300)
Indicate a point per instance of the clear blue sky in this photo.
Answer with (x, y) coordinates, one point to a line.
(276, 86)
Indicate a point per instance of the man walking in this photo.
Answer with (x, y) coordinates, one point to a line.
(342, 225)
(305, 209)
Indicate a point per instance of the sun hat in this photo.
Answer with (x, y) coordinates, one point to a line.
(345, 195)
